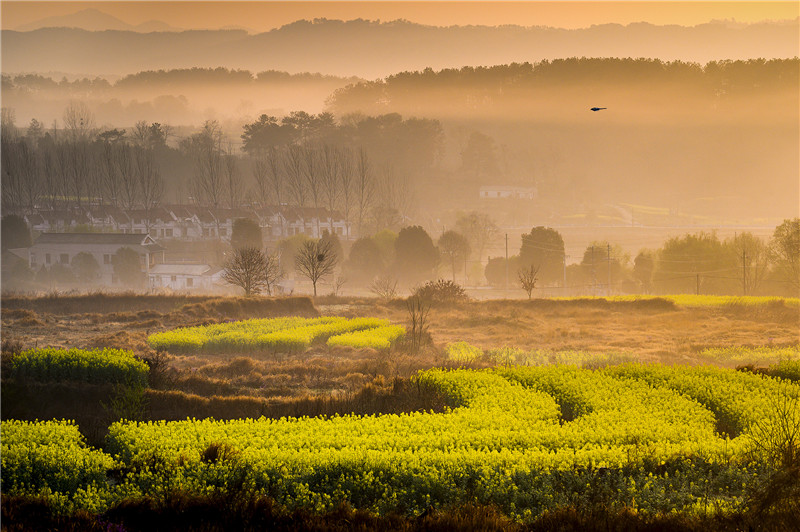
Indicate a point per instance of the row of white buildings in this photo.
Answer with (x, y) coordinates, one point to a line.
(101, 231)
(185, 222)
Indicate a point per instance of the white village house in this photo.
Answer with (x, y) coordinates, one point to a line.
(506, 192)
(185, 277)
(61, 248)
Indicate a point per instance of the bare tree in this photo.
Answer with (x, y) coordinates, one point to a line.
(233, 180)
(205, 148)
(8, 125)
(527, 278)
(247, 269)
(313, 179)
(11, 173)
(454, 246)
(346, 182)
(273, 272)
(385, 287)
(78, 121)
(338, 282)
(479, 229)
(330, 170)
(395, 197)
(109, 170)
(77, 167)
(260, 170)
(150, 182)
(140, 134)
(364, 187)
(50, 183)
(276, 177)
(316, 259)
(269, 176)
(61, 159)
(418, 310)
(293, 164)
(30, 174)
(126, 168)
(753, 255)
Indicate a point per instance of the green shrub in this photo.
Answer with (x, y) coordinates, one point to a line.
(95, 366)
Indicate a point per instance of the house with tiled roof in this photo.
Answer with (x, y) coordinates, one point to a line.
(61, 248)
(108, 218)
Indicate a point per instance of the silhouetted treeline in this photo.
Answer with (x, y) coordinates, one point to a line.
(37, 82)
(511, 88)
(178, 96)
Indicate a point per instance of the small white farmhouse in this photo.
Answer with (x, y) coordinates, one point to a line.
(185, 277)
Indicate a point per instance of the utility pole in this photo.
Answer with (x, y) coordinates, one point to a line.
(594, 276)
(506, 264)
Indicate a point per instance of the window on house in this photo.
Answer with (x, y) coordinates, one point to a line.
(106, 259)
(173, 278)
(63, 258)
(47, 258)
(189, 282)
(223, 231)
(168, 233)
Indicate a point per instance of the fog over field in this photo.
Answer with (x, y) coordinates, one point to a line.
(697, 127)
(407, 266)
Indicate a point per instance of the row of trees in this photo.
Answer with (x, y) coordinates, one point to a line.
(364, 167)
(77, 165)
(694, 263)
(702, 263)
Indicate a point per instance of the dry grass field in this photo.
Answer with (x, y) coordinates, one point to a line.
(648, 330)
(655, 330)
(327, 380)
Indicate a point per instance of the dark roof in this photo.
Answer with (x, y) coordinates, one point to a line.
(123, 239)
(181, 211)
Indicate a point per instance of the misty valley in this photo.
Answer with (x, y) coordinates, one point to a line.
(357, 275)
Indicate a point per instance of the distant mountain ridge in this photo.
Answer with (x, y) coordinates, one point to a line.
(376, 49)
(95, 20)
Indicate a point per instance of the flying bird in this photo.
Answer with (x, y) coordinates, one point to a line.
(598, 108)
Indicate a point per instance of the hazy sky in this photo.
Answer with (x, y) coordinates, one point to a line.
(263, 16)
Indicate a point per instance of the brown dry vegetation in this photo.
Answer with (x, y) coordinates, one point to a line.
(651, 330)
(326, 380)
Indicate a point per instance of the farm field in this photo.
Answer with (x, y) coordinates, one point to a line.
(518, 410)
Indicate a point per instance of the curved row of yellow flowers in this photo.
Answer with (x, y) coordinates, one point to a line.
(277, 334)
(525, 439)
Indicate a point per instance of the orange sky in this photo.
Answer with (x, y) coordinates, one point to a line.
(262, 16)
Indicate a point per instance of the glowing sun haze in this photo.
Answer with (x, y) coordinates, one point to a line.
(263, 16)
